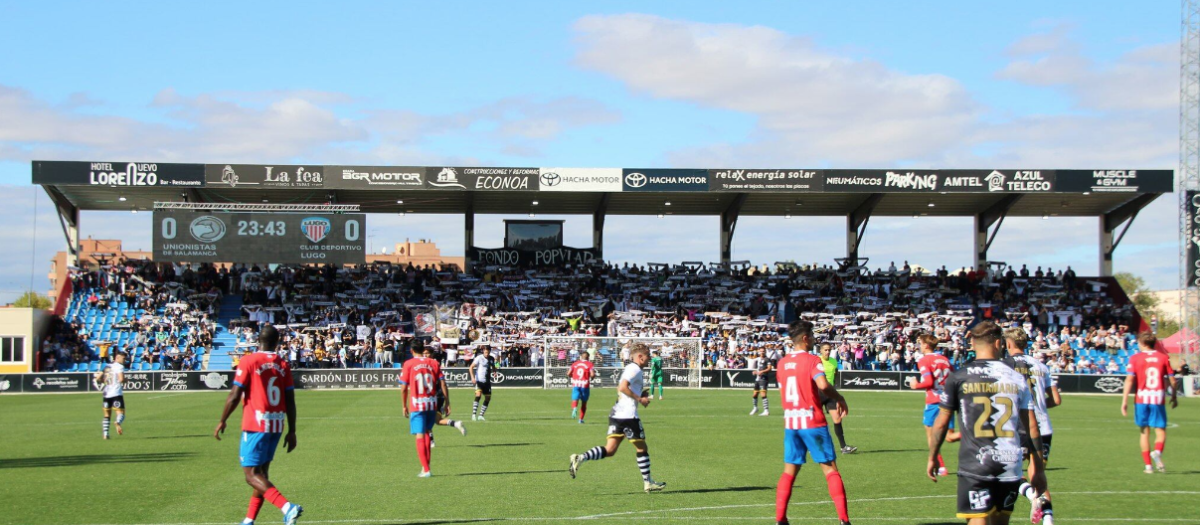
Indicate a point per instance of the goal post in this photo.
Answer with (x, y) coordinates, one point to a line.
(681, 359)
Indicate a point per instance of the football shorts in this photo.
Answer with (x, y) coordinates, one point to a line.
(628, 428)
(761, 384)
(484, 387)
(931, 414)
(258, 448)
(1154, 416)
(829, 404)
(421, 422)
(580, 393)
(115, 402)
(981, 498)
(815, 442)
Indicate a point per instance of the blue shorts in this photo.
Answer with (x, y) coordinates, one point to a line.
(421, 422)
(258, 448)
(580, 393)
(1154, 416)
(815, 441)
(931, 414)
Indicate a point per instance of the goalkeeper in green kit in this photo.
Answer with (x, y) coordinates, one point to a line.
(656, 374)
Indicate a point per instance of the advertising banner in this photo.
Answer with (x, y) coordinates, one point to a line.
(374, 177)
(193, 381)
(930, 181)
(1116, 181)
(1192, 238)
(132, 174)
(347, 378)
(263, 176)
(484, 179)
(53, 383)
(9, 384)
(664, 180)
(748, 180)
(139, 381)
(504, 377)
(286, 238)
(580, 179)
(533, 258)
(868, 380)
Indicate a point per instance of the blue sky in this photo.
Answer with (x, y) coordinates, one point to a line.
(930, 84)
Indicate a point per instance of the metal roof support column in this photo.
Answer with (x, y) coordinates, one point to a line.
(729, 219)
(984, 220)
(68, 217)
(856, 226)
(1109, 222)
(469, 235)
(598, 226)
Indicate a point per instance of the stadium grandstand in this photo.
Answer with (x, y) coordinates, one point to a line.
(196, 305)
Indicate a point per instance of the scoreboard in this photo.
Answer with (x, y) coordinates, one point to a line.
(283, 238)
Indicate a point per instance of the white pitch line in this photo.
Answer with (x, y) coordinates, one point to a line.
(640, 515)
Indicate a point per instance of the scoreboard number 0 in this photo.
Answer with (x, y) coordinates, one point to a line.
(169, 228)
(353, 229)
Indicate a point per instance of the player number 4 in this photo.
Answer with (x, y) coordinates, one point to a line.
(791, 393)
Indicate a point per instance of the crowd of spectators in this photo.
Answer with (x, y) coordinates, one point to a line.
(368, 315)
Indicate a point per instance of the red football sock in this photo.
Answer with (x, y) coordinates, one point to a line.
(423, 452)
(1146, 458)
(574, 404)
(582, 411)
(1159, 446)
(783, 493)
(837, 491)
(256, 503)
(941, 462)
(275, 498)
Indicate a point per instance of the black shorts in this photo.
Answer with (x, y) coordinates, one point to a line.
(980, 498)
(829, 404)
(628, 428)
(114, 402)
(441, 405)
(761, 384)
(484, 388)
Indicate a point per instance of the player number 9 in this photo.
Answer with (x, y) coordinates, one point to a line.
(272, 392)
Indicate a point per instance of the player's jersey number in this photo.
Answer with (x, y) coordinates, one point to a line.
(1153, 378)
(1006, 412)
(273, 394)
(424, 384)
(791, 393)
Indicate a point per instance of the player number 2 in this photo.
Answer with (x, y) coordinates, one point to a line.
(272, 392)
(791, 393)
(998, 429)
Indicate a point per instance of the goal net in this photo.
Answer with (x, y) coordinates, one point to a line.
(680, 355)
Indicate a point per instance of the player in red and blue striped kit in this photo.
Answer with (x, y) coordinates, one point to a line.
(934, 368)
(801, 378)
(263, 383)
(419, 380)
(581, 374)
(1150, 370)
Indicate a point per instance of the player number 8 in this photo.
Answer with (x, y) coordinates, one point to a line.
(272, 392)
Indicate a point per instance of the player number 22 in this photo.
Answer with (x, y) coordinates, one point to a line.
(998, 429)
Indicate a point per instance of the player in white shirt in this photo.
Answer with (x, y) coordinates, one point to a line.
(623, 421)
(111, 383)
(480, 370)
(1044, 392)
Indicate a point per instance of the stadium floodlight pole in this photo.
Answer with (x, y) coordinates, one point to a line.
(257, 207)
(1189, 172)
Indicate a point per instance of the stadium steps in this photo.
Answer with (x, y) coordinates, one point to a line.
(225, 342)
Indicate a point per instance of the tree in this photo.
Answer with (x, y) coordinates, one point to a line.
(1147, 303)
(33, 300)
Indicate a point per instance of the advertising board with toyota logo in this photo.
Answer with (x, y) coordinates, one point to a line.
(663, 180)
(581, 179)
(264, 176)
(118, 174)
(369, 177)
(766, 180)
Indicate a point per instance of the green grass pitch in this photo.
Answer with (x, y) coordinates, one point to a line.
(356, 463)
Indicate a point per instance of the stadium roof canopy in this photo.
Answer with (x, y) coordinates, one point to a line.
(989, 195)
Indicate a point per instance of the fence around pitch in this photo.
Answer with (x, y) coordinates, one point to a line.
(367, 378)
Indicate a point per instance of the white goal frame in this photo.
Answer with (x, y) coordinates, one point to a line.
(682, 358)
